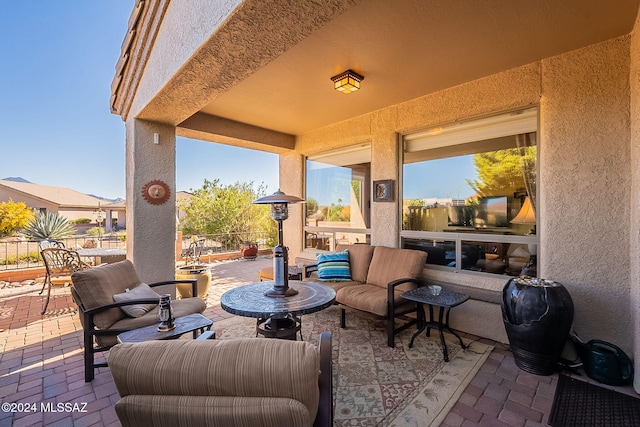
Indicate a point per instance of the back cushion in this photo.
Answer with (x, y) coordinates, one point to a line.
(334, 267)
(359, 260)
(97, 286)
(228, 367)
(390, 264)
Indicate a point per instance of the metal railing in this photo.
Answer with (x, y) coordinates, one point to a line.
(22, 254)
(225, 242)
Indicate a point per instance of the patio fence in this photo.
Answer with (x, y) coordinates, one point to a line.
(225, 243)
(22, 254)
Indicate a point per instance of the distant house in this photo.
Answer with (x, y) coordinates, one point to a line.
(64, 201)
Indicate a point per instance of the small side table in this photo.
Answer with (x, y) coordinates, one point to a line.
(190, 323)
(445, 300)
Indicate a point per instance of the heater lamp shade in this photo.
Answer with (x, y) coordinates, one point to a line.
(277, 197)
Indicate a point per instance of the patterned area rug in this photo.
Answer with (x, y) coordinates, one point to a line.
(375, 385)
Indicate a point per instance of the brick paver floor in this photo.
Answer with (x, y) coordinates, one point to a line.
(41, 366)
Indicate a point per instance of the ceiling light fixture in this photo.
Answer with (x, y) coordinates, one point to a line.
(347, 81)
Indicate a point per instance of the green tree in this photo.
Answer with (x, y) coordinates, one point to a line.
(336, 212)
(13, 217)
(500, 172)
(49, 226)
(311, 207)
(222, 209)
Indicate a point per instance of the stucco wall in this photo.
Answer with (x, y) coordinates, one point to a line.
(634, 227)
(585, 171)
(31, 202)
(585, 177)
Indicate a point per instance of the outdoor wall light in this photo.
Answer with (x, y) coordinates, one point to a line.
(279, 212)
(347, 81)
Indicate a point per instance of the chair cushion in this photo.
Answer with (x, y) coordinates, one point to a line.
(170, 411)
(139, 292)
(96, 287)
(181, 307)
(389, 264)
(359, 260)
(334, 267)
(369, 298)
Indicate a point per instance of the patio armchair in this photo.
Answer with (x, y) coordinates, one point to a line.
(95, 292)
(59, 264)
(234, 382)
(50, 243)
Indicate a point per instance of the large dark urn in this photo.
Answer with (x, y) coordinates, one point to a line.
(537, 315)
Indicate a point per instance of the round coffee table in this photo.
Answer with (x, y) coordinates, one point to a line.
(277, 317)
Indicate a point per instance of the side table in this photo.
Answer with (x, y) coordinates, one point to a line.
(445, 300)
(192, 323)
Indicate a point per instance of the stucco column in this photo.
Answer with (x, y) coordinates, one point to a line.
(151, 228)
(385, 164)
(292, 183)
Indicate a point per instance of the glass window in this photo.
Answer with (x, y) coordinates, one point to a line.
(469, 192)
(338, 197)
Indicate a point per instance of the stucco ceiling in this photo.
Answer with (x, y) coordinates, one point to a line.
(409, 48)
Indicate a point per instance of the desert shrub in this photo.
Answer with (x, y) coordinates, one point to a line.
(95, 231)
(49, 226)
(81, 221)
(13, 217)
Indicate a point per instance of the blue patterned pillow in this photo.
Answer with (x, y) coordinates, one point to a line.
(334, 267)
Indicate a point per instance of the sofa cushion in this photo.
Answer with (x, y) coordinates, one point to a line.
(243, 367)
(389, 264)
(97, 286)
(334, 267)
(359, 260)
(141, 291)
(336, 286)
(170, 411)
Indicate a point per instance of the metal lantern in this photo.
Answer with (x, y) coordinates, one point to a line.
(165, 314)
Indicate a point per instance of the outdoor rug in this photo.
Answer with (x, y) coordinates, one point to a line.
(577, 403)
(375, 385)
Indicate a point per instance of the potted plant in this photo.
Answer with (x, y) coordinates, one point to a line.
(193, 269)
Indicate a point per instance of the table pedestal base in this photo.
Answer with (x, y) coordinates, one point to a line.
(283, 328)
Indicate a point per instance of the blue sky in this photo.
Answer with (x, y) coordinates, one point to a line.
(58, 61)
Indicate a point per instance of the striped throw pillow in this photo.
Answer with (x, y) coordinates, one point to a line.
(334, 267)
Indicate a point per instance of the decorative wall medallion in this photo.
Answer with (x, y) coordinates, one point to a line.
(156, 192)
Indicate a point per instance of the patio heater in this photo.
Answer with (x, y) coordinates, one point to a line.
(279, 212)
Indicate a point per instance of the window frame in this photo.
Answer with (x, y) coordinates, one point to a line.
(468, 236)
(335, 231)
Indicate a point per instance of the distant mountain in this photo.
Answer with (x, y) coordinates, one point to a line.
(119, 199)
(17, 179)
(20, 179)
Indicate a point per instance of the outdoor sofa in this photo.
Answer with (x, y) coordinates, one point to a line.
(229, 382)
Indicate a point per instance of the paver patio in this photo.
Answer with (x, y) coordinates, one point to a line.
(41, 366)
